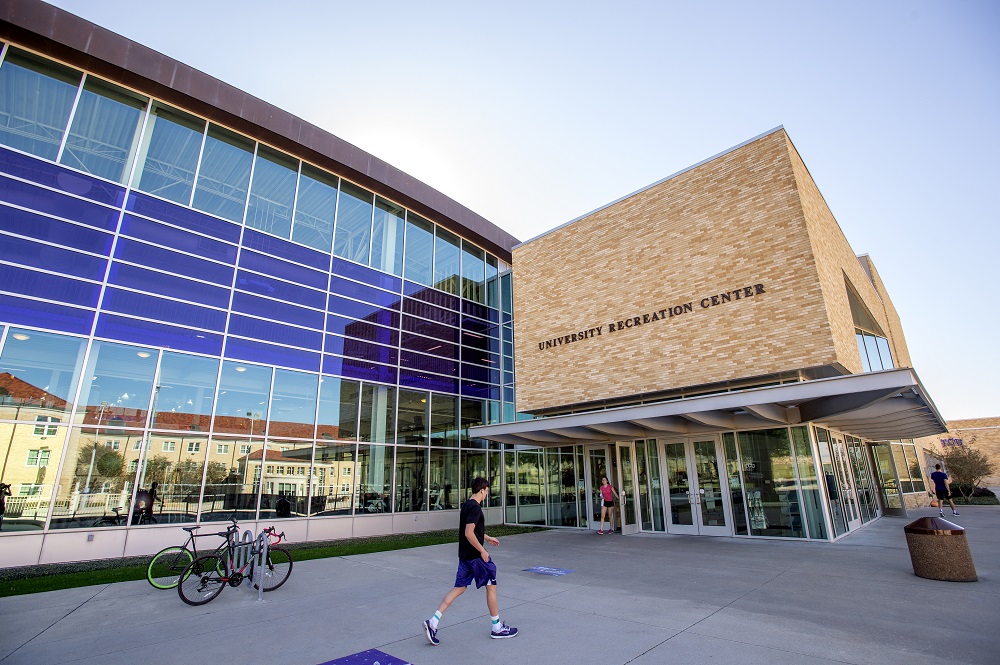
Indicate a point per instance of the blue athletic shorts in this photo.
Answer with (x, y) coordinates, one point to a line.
(475, 569)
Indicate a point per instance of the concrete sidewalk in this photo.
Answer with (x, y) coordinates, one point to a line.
(632, 599)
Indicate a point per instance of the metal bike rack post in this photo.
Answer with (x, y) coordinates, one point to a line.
(258, 568)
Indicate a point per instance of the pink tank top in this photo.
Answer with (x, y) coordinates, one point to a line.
(606, 492)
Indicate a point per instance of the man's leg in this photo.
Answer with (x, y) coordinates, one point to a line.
(450, 597)
(491, 600)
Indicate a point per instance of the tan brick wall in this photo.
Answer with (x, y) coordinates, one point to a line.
(987, 439)
(741, 219)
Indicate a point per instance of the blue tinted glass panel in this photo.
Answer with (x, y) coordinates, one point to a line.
(387, 237)
(418, 361)
(272, 193)
(360, 310)
(36, 98)
(182, 241)
(492, 283)
(275, 288)
(172, 144)
(35, 255)
(354, 348)
(419, 263)
(103, 132)
(367, 371)
(432, 296)
(42, 285)
(508, 349)
(865, 365)
(268, 331)
(57, 177)
(315, 208)
(23, 311)
(480, 342)
(480, 311)
(262, 352)
(477, 373)
(872, 347)
(286, 250)
(430, 329)
(224, 174)
(430, 345)
(425, 311)
(506, 299)
(279, 311)
(163, 309)
(884, 353)
(506, 318)
(473, 273)
(183, 217)
(126, 329)
(480, 327)
(61, 233)
(357, 291)
(414, 379)
(447, 261)
(352, 236)
(508, 378)
(283, 270)
(361, 330)
(508, 394)
(165, 259)
(478, 357)
(366, 275)
(167, 285)
(480, 390)
(52, 203)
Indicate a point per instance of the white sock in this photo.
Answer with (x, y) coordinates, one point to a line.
(496, 623)
(434, 620)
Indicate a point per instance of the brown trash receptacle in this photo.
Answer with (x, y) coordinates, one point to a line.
(939, 550)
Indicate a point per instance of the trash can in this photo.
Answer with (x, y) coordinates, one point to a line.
(939, 550)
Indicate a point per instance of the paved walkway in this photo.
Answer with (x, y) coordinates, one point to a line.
(635, 599)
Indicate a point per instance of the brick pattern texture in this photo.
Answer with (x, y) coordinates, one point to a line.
(749, 216)
(987, 439)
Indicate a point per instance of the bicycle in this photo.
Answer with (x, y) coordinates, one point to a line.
(207, 576)
(165, 568)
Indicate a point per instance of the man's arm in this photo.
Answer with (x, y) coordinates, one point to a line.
(470, 535)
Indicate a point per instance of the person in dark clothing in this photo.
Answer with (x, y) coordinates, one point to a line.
(473, 564)
(4, 493)
(942, 488)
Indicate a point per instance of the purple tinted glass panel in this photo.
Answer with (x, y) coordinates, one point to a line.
(480, 327)
(43, 285)
(164, 259)
(350, 289)
(182, 241)
(478, 357)
(477, 373)
(35, 255)
(432, 296)
(508, 395)
(361, 330)
(52, 203)
(470, 308)
(283, 270)
(508, 378)
(150, 333)
(279, 311)
(506, 317)
(366, 275)
(39, 227)
(286, 250)
(19, 310)
(480, 390)
(268, 331)
(360, 310)
(426, 311)
(354, 348)
(418, 361)
(185, 217)
(163, 309)
(441, 384)
(167, 285)
(262, 352)
(476, 341)
(358, 369)
(276, 288)
(71, 182)
(430, 345)
(430, 329)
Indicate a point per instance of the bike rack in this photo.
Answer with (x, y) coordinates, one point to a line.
(240, 552)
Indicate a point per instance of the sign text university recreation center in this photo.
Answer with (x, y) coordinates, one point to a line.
(209, 307)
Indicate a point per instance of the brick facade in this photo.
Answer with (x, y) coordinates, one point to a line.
(987, 439)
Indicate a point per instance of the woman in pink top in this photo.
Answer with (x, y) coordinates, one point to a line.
(608, 494)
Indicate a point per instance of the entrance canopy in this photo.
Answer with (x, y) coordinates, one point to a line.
(878, 406)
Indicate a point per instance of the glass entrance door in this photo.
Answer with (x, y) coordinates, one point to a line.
(846, 479)
(597, 467)
(694, 478)
(626, 488)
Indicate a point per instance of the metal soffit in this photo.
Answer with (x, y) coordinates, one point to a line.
(877, 406)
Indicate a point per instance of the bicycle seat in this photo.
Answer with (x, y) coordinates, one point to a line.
(190, 529)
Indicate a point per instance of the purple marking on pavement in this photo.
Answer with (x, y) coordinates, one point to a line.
(545, 570)
(370, 657)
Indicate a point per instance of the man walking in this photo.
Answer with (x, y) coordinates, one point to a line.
(473, 564)
(942, 487)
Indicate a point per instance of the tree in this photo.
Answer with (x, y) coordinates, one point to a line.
(967, 466)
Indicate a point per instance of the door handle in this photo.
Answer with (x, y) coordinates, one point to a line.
(701, 491)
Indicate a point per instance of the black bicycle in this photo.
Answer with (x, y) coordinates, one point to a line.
(207, 576)
(138, 517)
(164, 571)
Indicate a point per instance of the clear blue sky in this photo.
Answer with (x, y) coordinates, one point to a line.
(533, 113)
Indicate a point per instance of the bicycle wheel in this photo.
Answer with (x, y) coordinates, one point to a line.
(165, 569)
(277, 569)
(201, 581)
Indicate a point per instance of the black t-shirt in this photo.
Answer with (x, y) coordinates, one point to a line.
(472, 513)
